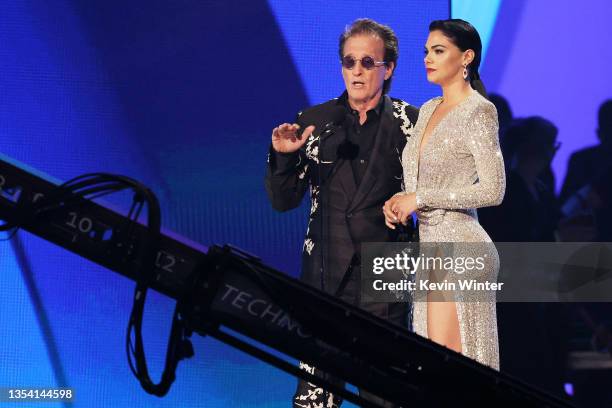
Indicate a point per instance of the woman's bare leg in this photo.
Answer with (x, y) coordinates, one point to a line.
(442, 321)
(443, 325)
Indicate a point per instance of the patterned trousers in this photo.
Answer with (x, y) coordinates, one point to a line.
(309, 395)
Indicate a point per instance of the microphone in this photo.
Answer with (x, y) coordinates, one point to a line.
(334, 118)
(348, 150)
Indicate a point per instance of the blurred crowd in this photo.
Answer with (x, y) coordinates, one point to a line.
(531, 210)
(537, 338)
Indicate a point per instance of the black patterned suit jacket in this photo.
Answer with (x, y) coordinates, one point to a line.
(342, 214)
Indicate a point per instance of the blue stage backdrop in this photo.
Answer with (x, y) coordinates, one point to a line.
(181, 95)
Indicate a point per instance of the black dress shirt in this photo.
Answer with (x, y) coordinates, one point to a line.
(361, 138)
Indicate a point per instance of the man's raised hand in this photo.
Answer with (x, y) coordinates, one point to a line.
(286, 137)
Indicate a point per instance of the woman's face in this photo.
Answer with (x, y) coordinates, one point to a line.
(444, 61)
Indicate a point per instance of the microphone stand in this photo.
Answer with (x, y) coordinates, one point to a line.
(328, 130)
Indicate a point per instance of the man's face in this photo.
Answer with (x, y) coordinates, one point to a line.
(364, 85)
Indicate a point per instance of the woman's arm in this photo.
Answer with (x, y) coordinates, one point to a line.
(483, 143)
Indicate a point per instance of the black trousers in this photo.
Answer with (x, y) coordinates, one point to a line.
(309, 395)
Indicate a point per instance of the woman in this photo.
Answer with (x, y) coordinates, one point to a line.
(453, 165)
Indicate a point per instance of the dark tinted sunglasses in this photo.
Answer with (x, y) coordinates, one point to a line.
(349, 62)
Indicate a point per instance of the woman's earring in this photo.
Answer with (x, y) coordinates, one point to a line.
(465, 72)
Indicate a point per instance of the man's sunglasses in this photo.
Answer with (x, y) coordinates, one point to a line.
(349, 62)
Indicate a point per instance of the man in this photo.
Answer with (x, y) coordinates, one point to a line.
(352, 163)
(530, 211)
(587, 164)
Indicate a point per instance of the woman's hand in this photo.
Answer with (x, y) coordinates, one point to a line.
(399, 208)
(390, 217)
(404, 206)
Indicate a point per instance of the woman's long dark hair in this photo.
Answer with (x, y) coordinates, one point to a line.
(465, 37)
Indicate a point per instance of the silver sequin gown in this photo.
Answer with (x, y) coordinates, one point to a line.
(461, 169)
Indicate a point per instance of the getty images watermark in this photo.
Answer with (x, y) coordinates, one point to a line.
(503, 272)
